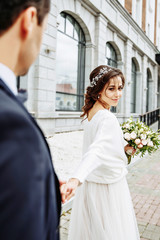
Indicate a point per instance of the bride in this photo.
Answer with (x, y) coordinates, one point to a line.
(102, 208)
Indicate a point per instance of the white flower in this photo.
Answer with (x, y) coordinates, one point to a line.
(141, 130)
(150, 144)
(148, 140)
(137, 141)
(143, 136)
(140, 145)
(144, 142)
(133, 135)
(127, 136)
(129, 120)
(148, 132)
(127, 125)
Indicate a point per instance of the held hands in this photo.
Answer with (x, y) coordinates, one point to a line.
(68, 189)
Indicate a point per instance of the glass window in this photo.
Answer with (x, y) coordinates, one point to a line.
(18, 82)
(148, 90)
(69, 26)
(111, 60)
(111, 56)
(133, 87)
(21, 82)
(70, 65)
(158, 96)
(76, 31)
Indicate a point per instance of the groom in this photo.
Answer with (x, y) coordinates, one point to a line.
(29, 188)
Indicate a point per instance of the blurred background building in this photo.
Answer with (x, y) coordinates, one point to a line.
(82, 34)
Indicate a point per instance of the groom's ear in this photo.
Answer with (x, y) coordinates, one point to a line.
(28, 20)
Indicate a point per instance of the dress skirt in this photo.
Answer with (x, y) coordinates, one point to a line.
(103, 212)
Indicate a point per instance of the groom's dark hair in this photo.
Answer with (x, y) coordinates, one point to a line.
(11, 9)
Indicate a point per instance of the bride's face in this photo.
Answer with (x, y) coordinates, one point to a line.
(112, 91)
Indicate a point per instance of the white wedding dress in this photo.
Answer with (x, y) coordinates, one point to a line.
(102, 208)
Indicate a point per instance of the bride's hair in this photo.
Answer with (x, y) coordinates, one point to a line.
(98, 79)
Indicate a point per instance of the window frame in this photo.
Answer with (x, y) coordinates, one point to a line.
(81, 62)
(134, 79)
(111, 60)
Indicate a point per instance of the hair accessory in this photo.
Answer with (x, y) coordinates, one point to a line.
(103, 71)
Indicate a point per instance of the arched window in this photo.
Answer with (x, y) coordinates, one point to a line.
(111, 55)
(18, 82)
(158, 96)
(133, 87)
(111, 60)
(70, 64)
(21, 82)
(148, 91)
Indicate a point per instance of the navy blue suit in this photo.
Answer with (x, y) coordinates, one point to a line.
(29, 189)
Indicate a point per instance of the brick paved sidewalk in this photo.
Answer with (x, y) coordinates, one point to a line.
(144, 184)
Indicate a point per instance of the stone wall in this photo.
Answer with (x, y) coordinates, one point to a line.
(102, 21)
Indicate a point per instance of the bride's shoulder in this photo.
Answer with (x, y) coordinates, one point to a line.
(106, 114)
(105, 119)
(108, 122)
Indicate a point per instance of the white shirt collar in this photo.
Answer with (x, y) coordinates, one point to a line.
(8, 78)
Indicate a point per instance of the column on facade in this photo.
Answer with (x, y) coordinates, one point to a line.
(31, 81)
(42, 77)
(128, 69)
(100, 39)
(120, 63)
(120, 106)
(89, 61)
(46, 81)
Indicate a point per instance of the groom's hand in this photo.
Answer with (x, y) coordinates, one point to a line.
(68, 189)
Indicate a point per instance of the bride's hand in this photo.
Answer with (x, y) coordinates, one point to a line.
(68, 189)
(129, 150)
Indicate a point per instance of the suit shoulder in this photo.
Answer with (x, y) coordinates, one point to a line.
(7, 103)
(12, 116)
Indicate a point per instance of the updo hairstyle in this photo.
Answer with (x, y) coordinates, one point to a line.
(92, 91)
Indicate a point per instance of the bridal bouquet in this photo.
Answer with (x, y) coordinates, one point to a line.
(140, 137)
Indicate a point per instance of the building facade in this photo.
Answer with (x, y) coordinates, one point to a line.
(82, 34)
